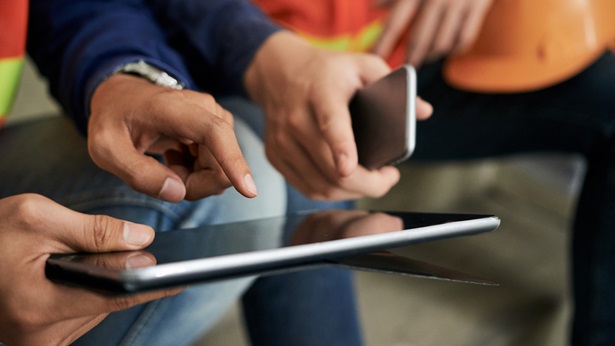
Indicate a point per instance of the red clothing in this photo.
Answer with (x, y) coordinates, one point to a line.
(13, 20)
(351, 25)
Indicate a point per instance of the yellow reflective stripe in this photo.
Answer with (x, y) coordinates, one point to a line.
(10, 70)
(337, 43)
(360, 42)
(369, 36)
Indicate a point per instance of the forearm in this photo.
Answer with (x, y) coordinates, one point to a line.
(78, 43)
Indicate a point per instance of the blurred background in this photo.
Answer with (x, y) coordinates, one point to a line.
(534, 197)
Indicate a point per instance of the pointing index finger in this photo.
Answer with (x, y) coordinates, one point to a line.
(204, 122)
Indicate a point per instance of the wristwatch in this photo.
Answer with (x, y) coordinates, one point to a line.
(151, 73)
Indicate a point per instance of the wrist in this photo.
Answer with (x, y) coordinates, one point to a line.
(106, 71)
(279, 57)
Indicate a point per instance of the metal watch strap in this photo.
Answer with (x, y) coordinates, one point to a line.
(151, 73)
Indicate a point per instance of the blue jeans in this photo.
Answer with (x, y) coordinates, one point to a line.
(576, 116)
(323, 309)
(50, 158)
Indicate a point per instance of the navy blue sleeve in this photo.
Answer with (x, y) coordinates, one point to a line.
(218, 38)
(78, 43)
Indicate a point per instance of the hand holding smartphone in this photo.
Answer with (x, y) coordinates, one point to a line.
(384, 119)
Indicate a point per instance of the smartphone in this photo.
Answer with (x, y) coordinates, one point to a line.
(384, 119)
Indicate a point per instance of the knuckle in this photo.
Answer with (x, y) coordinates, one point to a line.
(219, 124)
(294, 121)
(97, 145)
(228, 117)
(92, 145)
(26, 209)
(278, 140)
(326, 122)
(208, 99)
(232, 158)
(99, 231)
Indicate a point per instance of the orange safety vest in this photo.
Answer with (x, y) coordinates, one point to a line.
(343, 25)
(13, 26)
(524, 45)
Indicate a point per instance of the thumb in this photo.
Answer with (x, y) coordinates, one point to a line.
(101, 233)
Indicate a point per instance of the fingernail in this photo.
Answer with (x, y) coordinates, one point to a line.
(172, 190)
(138, 261)
(250, 185)
(137, 235)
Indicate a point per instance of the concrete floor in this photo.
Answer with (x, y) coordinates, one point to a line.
(527, 255)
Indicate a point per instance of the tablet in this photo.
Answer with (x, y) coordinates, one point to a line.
(256, 247)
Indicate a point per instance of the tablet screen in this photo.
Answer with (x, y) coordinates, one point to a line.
(257, 246)
(277, 232)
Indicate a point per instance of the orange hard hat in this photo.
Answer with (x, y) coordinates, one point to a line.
(526, 45)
